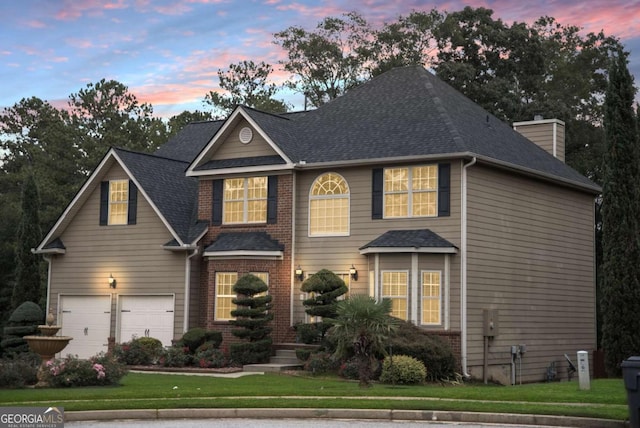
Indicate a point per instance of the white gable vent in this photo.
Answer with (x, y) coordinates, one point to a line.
(246, 134)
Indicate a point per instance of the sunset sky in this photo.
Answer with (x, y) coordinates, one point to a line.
(168, 52)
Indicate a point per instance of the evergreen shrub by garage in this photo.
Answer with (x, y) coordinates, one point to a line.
(140, 351)
(197, 336)
(402, 370)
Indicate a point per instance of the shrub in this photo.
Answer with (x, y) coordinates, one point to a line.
(175, 356)
(140, 351)
(308, 333)
(349, 369)
(319, 363)
(210, 358)
(433, 351)
(402, 369)
(71, 371)
(17, 373)
(303, 354)
(24, 320)
(195, 337)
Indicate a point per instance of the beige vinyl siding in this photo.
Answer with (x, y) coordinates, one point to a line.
(542, 135)
(531, 256)
(232, 148)
(133, 254)
(337, 253)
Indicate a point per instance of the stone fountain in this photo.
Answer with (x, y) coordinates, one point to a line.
(47, 345)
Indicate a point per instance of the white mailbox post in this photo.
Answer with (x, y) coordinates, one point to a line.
(583, 370)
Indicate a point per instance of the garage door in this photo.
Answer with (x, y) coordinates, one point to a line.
(88, 320)
(146, 316)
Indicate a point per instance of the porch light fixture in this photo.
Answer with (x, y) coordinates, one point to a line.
(112, 281)
(353, 272)
(299, 273)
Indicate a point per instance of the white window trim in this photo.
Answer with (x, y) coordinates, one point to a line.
(346, 196)
(383, 296)
(421, 299)
(409, 192)
(124, 202)
(215, 311)
(245, 201)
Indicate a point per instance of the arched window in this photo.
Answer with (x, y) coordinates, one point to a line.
(329, 206)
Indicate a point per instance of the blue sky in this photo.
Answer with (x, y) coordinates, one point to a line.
(168, 52)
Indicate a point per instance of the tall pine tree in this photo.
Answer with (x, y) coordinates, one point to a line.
(27, 287)
(621, 221)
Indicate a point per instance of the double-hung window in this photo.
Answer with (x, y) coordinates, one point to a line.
(245, 200)
(394, 288)
(431, 297)
(411, 191)
(329, 206)
(225, 295)
(118, 201)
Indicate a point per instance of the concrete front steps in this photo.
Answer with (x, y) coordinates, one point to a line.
(284, 359)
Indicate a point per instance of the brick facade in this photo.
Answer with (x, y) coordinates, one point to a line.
(280, 275)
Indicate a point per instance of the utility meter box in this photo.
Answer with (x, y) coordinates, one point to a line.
(490, 322)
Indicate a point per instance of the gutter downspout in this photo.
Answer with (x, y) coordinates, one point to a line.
(187, 289)
(48, 260)
(463, 270)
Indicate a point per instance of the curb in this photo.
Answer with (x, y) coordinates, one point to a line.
(374, 414)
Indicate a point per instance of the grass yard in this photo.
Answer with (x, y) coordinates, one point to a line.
(606, 399)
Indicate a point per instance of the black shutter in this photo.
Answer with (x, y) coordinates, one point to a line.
(133, 203)
(444, 190)
(104, 203)
(216, 203)
(376, 193)
(272, 199)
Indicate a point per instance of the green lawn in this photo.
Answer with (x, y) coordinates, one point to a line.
(606, 399)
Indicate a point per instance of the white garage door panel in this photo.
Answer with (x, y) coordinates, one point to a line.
(88, 320)
(146, 316)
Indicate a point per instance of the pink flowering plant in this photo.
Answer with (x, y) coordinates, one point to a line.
(99, 370)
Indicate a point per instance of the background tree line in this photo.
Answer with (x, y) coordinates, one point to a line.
(514, 71)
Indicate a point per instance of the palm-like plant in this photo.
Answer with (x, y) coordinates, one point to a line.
(361, 330)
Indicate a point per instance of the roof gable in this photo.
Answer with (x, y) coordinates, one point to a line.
(225, 147)
(160, 181)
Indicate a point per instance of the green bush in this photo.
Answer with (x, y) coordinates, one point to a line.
(98, 371)
(319, 363)
(434, 352)
(402, 369)
(18, 373)
(308, 333)
(141, 351)
(349, 369)
(303, 354)
(210, 357)
(195, 337)
(175, 356)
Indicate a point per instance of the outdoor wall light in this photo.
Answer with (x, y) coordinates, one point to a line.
(353, 272)
(299, 273)
(112, 281)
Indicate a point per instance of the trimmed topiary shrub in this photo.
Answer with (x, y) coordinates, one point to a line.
(434, 352)
(308, 333)
(303, 354)
(23, 321)
(402, 370)
(195, 337)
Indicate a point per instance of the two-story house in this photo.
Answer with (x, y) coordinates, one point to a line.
(403, 186)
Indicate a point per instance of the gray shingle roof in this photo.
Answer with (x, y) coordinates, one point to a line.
(407, 112)
(238, 162)
(244, 241)
(187, 143)
(421, 238)
(174, 194)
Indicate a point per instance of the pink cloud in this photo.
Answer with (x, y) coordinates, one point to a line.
(35, 23)
(79, 43)
(72, 10)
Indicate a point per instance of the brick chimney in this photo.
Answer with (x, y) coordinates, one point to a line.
(547, 133)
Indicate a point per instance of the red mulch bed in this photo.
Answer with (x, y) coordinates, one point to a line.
(185, 369)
